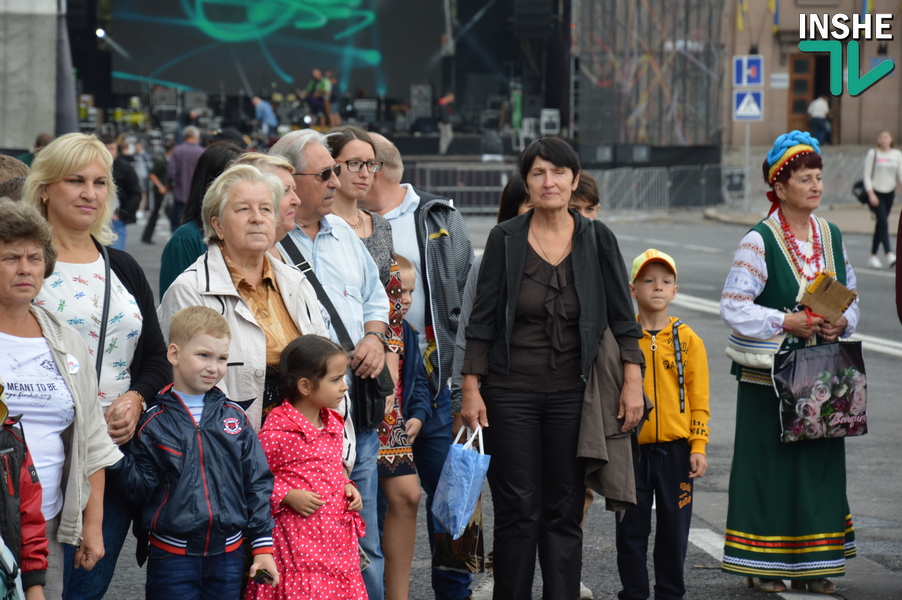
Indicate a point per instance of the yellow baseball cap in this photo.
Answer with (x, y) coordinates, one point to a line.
(652, 255)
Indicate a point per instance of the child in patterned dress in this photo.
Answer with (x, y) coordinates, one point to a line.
(316, 508)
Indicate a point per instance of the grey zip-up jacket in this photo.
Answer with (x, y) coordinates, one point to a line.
(446, 254)
(88, 445)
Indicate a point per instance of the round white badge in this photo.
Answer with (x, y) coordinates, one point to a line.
(73, 364)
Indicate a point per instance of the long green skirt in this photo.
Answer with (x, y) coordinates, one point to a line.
(788, 515)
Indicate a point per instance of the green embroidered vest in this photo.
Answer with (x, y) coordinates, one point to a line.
(783, 281)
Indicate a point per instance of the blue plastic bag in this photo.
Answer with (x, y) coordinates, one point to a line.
(460, 484)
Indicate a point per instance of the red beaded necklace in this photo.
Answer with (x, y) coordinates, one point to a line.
(796, 254)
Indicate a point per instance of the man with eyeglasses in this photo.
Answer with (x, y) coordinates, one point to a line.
(428, 231)
(350, 279)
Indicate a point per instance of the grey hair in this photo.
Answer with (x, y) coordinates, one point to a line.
(219, 195)
(190, 132)
(292, 146)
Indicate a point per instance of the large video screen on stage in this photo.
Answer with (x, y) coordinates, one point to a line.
(257, 47)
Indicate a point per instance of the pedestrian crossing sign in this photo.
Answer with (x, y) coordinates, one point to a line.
(748, 105)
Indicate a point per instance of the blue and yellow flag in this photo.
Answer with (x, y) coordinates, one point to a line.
(774, 6)
(741, 9)
(866, 7)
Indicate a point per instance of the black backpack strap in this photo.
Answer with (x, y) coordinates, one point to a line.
(294, 253)
(681, 377)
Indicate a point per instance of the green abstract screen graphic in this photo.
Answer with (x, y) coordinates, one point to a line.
(223, 46)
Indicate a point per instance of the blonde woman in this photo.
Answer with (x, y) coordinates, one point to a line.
(103, 294)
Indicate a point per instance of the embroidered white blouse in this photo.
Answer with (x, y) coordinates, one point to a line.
(746, 281)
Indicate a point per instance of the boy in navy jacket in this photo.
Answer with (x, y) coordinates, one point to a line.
(197, 466)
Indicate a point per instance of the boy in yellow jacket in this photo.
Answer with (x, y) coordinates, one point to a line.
(672, 442)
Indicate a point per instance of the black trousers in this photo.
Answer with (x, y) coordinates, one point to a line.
(153, 213)
(662, 477)
(537, 491)
(881, 230)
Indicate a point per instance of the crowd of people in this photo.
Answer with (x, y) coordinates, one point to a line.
(323, 332)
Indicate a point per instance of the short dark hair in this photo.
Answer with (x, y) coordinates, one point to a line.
(211, 164)
(554, 150)
(106, 139)
(808, 160)
(306, 357)
(12, 188)
(339, 137)
(586, 190)
(42, 140)
(20, 222)
(512, 197)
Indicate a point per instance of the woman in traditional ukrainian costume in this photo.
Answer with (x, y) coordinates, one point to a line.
(788, 515)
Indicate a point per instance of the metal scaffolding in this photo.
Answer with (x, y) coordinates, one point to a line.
(647, 72)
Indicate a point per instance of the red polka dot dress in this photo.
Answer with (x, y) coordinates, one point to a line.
(317, 556)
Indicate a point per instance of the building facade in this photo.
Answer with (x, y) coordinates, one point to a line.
(793, 79)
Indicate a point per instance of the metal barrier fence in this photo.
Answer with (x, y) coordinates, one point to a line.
(476, 187)
(841, 170)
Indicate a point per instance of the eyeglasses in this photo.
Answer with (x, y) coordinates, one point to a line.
(326, 175)
(373, 166)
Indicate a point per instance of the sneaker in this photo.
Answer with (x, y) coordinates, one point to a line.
(485, 589)
(874, 263)
(890, 260)
(584, 592)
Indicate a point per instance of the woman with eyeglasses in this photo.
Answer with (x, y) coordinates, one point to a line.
(354, 150)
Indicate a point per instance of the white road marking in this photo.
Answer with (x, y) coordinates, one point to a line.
(656, 242)
(869, 342)
(707, 540)
(878, 272)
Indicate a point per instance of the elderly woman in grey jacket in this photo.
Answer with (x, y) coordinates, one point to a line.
(50, 380)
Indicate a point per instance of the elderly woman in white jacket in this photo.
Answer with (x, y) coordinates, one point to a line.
(267, 303)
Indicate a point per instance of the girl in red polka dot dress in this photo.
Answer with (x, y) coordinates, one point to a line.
(315, 507)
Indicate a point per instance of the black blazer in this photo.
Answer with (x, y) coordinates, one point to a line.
(601, 284)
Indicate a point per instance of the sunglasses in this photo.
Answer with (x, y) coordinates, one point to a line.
(373, 166)
(326, 175)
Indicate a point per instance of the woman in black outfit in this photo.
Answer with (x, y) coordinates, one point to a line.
(550, 282)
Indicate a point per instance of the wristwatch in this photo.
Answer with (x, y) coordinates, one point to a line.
(380, 336)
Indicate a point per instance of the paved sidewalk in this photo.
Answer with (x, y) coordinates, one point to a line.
(851, 218)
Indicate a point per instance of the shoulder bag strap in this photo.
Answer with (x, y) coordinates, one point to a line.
(681, 377)
(101, 338)
(294, 253)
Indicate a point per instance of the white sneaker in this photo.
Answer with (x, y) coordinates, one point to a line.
(584, 592)
(890, 260)
(485, 589)
(874, 263)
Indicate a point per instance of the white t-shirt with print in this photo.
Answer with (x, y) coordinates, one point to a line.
(36, 390)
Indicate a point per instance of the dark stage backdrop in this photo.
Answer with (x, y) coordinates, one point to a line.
(262, 46)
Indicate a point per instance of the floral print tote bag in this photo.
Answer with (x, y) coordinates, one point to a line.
(822, 391)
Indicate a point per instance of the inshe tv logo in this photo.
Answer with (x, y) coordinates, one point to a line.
(823, 33)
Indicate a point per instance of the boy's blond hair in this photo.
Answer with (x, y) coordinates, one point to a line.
(193, 321)
(404, 263)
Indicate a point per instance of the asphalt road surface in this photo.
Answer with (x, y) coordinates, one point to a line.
(703, 251)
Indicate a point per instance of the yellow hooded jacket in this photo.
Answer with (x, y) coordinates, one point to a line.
(666, 423)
